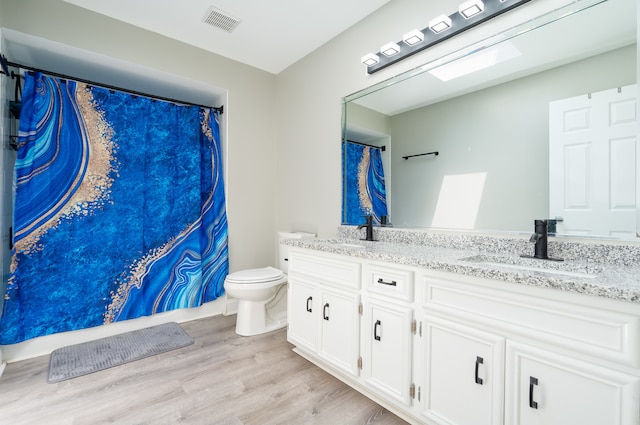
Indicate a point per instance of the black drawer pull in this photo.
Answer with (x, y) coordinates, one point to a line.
(325, 316)
(375, 330)
(532, 382)
(479, 361)
(309, 304)
(392, 283)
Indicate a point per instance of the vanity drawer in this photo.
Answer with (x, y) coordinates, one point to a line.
(325, 268)
(389, 281)
(588, 329)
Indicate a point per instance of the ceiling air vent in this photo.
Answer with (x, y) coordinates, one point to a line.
(220, 19)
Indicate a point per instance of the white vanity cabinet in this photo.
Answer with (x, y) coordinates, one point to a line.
(302, 310)
(546, 388)
(568, 359)
(387, 332)
(440, 348)
(339, 329)
(324, 308)
(464, 368)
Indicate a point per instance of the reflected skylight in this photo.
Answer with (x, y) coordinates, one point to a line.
(480, 60)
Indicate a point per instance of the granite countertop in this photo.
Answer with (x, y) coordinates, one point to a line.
(621, 282)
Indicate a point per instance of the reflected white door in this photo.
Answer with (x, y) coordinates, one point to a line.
(592, 163)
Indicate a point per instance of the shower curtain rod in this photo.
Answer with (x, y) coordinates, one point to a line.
(219, 109)
(382, 148)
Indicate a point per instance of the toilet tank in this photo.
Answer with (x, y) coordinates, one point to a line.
(283, 250)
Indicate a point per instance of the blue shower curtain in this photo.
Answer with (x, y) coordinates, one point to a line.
(119, 209)
(364, 190)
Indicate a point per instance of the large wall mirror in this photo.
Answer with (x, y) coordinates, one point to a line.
(491, 128)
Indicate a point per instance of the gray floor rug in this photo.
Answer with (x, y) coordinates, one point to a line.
(88, 357)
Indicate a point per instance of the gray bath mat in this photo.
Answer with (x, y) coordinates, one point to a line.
(88, 357)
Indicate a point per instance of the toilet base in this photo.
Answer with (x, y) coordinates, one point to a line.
(249, 323)
(255, 318)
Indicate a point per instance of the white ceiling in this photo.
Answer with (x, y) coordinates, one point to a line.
(271, 35)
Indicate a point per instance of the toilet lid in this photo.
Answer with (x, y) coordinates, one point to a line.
(266, 274)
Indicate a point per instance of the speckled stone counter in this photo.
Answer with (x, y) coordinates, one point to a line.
(609, 270)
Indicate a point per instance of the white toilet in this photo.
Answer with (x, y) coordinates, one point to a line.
(262, 293)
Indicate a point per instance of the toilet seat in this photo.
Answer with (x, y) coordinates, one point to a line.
(261, 275)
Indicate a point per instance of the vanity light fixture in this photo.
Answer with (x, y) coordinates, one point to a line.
(390, 49)
(413, 37)
(370, 59)
(439, 24)
(469, 14)
(471, 8)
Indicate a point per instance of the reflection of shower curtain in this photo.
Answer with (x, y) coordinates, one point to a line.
(119, 209)
(364, 191)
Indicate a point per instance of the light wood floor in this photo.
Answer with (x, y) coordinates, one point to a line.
(222, 379)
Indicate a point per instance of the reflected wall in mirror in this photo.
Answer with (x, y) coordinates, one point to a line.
(491, 127)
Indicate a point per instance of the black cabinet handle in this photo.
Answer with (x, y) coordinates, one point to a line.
(375, 330)
(479, 361)
(392, 283)
(325, 316)
(308, 304)
(532, 382)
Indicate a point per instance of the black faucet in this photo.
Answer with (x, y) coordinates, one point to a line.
(369, 226)
(540, 238)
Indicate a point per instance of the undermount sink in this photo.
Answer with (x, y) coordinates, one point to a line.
(561, 268)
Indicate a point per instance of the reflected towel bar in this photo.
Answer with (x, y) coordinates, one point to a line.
(436, 153)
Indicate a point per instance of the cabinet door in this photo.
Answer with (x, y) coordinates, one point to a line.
(339, 329)
(303, 314)
(547, 388)
(387, 352)
(464, 370)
